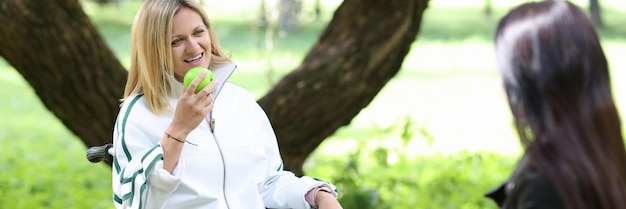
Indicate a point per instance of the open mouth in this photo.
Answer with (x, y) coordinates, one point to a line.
(194, 59)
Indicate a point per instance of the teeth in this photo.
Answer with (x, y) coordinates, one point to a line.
(194, 58)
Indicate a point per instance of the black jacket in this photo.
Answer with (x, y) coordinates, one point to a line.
(526, 189)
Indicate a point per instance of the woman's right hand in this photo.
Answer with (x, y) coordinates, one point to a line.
(192, 108)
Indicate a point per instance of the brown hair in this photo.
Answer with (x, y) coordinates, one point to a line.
(558, 86)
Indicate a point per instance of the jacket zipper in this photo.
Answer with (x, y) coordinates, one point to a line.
(211, 121)
(219, 148)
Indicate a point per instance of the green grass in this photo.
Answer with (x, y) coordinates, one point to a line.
(437, 136)
(42, 164)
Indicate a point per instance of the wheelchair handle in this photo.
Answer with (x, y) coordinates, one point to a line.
(99, 153)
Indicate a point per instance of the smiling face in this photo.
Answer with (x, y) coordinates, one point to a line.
(191, 44)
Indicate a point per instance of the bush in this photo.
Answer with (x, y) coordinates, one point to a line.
(375, 174)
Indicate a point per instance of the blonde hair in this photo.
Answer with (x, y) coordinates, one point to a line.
(151, 65)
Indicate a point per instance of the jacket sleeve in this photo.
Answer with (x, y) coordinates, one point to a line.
(139, 180)
(282, 189)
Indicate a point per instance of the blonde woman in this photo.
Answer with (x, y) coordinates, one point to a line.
(213, 149)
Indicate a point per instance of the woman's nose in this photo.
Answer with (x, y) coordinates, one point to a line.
(192, 45)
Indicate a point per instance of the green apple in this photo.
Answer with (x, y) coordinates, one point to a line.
(193, 73)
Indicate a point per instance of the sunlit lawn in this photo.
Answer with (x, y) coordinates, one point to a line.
(449, 82)
(448, 85)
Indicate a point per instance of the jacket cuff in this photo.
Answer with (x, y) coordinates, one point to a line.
(312, 194)
(162, 180)
(315, 186)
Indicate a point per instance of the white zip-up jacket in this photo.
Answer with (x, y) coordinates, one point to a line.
(235, 165)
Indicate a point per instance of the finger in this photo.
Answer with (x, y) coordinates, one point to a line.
(196, 81)
(213, 84)
(209, 105)
(209, 88)
(209, 101)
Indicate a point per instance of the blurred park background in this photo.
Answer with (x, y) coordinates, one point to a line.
(437, 136)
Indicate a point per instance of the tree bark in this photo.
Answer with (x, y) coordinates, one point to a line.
(60, 53)
(289, 13)
(594, 10)
(488, 8)
(362, 48)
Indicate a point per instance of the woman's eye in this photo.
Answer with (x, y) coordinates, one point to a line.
(198, 32)
(176, 42)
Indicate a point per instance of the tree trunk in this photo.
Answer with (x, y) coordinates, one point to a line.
(60, 53)
(289, 12)
(318, 9)
(488, 8)
(362, 48)
(594, 10)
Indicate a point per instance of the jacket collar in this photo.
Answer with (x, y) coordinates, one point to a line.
(222, 73)
(501, 193)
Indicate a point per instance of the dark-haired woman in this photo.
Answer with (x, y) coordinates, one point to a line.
(558, 86)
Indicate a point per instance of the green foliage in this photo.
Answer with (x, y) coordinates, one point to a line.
(384, 172)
